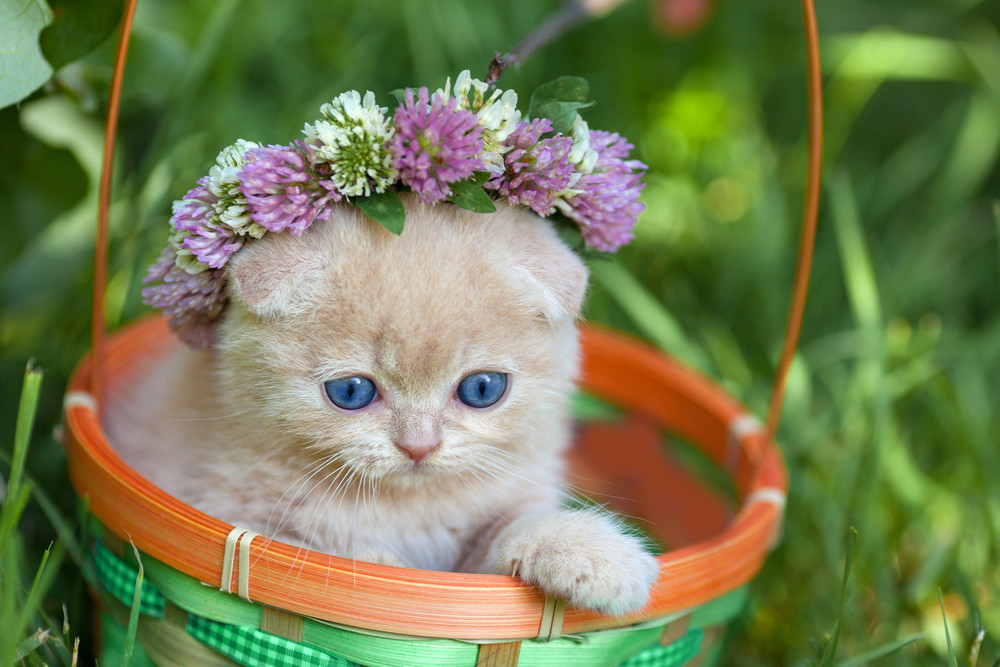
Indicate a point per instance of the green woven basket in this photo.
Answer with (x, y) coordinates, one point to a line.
(183, 621)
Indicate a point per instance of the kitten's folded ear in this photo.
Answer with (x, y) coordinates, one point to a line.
(276, 276)
(558, 277)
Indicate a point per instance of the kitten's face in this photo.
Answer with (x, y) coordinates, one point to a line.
(448, 350)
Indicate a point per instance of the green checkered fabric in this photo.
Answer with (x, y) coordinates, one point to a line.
(255, 648)
(118, 579)
(244, 645)
(252, 647)
(672, 655)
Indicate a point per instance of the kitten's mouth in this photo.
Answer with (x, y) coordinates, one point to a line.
(422, 467)
(410, 470)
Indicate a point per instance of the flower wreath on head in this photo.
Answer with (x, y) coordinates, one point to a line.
(456, 144)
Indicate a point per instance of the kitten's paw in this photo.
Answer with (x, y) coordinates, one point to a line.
(580, 556)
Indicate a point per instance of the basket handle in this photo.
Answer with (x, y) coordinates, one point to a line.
(810, 213)
(103, 203)
(806, 242)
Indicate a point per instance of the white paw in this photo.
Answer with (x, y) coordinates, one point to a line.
(580, 556)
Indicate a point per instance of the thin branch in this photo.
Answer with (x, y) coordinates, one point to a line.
(573, 13)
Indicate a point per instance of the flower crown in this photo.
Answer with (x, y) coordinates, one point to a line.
(452, 145)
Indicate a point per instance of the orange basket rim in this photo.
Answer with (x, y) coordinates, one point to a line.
(445, 604)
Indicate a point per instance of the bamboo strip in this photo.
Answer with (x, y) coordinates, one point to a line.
(499, 655)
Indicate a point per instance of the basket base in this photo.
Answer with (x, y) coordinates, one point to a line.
(168, 636)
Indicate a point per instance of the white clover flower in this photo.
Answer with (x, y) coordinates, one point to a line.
(224, 181)
(582, 155)
(351, 136)
(445, 93)
(500, 115)
(185, 259)
(224, 175)
(236, 216)
(463, 84)
(235, 155)
(497, 115)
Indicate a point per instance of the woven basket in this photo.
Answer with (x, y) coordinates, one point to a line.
(208, 593)
(296, 594)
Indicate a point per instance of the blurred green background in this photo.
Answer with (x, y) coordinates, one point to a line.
(890, 423)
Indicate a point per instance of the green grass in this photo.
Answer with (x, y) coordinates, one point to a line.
(29, 635)
(890, 423)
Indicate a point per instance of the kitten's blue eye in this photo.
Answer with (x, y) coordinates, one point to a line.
(481, 390)
(352, 393)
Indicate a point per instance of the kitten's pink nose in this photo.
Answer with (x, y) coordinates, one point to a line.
(417, 450)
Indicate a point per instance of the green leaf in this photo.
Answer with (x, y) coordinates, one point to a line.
(560, 101)
(471, 196)
(563, 89)
(28, 173)
(385, 208)
(562, 114)
(22, 67)
(399, 94)
(77, 28)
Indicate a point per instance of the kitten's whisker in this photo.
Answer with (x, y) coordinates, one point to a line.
(231, 415)
(387, 541)
(327, 497)
(573, 491)
(504, 470)
(472, 490)
(270, 535)
(294, 488)
(307, 541)
(302, 494)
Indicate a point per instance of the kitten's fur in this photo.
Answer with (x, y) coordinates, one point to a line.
(246, 433)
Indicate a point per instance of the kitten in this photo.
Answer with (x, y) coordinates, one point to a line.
(451, 350)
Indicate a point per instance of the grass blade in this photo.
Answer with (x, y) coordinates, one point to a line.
(133, 616)
(10, 515)
(67, 535)
(952, 656)
(996, 221)
(25, 421)
(830, 650)
(859, 272)
(40, 585)
(972, 156)
(878, 655)
(977, 645)
(32, 643)
(654, 321)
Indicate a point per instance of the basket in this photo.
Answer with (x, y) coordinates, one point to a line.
(716, 554)
(206, 592)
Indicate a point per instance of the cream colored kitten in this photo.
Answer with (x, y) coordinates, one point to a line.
(452, 350)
